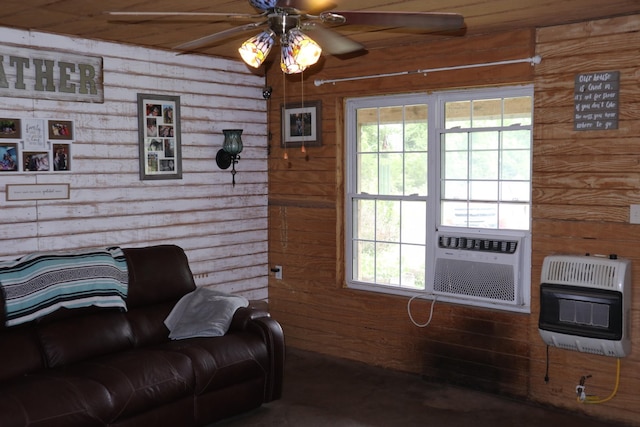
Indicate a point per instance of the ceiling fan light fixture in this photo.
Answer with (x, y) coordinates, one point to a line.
(256, 49)
(306, 51)
(288, 63)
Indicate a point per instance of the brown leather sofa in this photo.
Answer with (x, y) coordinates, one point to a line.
(108, 367)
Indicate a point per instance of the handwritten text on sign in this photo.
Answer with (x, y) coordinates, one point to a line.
(16, 192)
(596, 101)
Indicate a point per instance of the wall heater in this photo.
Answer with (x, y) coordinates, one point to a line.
(585, 304)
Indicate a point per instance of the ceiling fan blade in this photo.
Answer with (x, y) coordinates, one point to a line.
(309, 6)
(331, 41)
(150, 15)
(212, 38)
(416, 20)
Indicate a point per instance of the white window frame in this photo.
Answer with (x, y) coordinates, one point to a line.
(435, 104)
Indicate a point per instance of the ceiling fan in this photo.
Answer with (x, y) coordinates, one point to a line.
(302, 27)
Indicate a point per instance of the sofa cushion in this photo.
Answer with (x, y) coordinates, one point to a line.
(220, 362)
(76, 338)
(52, 399)
(19, 352)
(157, 274)
(139, 380)
(147, 323)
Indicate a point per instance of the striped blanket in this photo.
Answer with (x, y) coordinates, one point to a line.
(40, 283)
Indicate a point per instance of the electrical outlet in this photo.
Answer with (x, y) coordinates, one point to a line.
(634, 214)
(278, 272)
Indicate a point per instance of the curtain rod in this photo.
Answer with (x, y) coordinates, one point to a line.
(533, 60)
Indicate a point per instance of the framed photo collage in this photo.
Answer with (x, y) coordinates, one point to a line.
(35, 145)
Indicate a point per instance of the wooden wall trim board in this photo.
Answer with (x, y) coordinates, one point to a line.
(222, 228)
(583, 183)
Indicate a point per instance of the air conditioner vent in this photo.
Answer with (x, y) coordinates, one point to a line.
(482, 267)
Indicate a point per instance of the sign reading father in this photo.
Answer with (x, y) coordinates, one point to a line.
(30, 73)
(596, 102)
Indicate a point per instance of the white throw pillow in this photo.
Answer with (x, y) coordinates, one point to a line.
(203, 313)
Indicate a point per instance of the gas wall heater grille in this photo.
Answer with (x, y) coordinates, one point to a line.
(484, 268)
(585, 304)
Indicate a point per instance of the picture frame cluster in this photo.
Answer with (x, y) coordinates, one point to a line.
(32, 145)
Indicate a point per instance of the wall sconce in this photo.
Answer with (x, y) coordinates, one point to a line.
(230, 152)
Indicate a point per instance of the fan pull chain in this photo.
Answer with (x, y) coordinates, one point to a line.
(284, 102)
(302, 147)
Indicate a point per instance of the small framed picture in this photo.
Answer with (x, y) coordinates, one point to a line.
(10, 128)
(8, 157)
(36, 161)
(61, 157)
(159, 137)
(60, 129)
(300, 124)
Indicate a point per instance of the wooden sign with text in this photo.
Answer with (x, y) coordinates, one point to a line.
(596, 101)
(37, 74)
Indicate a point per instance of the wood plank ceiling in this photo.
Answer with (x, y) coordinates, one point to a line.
(86, 19)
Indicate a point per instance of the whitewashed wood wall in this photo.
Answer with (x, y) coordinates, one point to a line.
(222, 228)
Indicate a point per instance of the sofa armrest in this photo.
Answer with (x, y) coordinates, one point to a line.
(245, 314)
(256, 319)
(273, 336)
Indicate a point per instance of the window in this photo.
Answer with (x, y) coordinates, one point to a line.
(426, 172)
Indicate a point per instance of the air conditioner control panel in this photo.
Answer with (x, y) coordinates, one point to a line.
(478, 244)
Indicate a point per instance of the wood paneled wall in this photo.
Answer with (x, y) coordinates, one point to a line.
(222, 228)
(583, 183)
(482, 348)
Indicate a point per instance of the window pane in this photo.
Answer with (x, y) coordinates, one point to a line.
(415, 179)
(413, 266)
(391, 137)
(364, 226)
(388, 221)
(484, 164)
(454, 214)
(518, 111)
(388, 264)
(367, 130)
(455, 190)
(391, 174)
(413, 223)
(364, 254)
(455, 165)
(367, 173)
(484, 190)
(487, 113)
(514, 216)
(483, 215)
(516, 165)
(455, 141)
(457, 114)
(515, 191)
(516, 139)
(416, 136)
(485, 140)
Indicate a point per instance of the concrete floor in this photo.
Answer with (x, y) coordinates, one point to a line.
(324, 391)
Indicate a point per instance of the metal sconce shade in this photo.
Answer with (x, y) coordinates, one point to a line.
(232, 141)
(255, 50)
(231, 148)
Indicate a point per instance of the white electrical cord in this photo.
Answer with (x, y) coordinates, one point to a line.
(433, 303)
